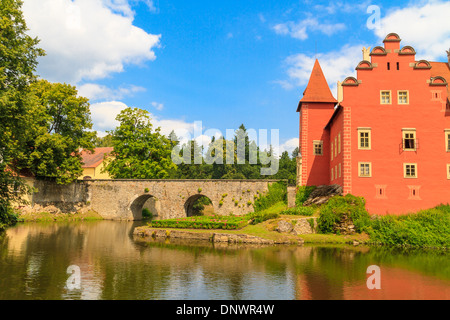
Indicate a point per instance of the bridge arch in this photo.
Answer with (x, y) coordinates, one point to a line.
(144, 201)
(189, 205)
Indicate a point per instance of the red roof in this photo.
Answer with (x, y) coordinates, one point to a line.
(317, 89)
(440, 69)
(93, 160)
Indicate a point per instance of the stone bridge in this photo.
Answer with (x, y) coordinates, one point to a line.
(125, 199)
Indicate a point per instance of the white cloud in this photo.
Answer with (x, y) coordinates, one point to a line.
(104, 115)
(424, 26)
(158, 106)
(299, 30)
(290, 146)
(95, 92)
(104, 119)
(87, 39)
(336, 66)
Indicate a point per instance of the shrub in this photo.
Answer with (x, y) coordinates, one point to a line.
(424, 229)
(340, 207)
(147, 214)
(277, 193)
(259, 217)
(7, 216)
(303, 194)
(299, 211)
(146, 190)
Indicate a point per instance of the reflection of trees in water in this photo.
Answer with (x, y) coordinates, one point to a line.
(114, 266)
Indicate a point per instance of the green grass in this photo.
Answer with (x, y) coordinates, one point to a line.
(59, 217)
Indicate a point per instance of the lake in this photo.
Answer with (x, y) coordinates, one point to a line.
(103, 261)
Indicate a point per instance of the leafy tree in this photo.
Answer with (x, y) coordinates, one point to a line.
(103, 142)
(193, 165)
(58, 132)
(140, 152)
(18, 62)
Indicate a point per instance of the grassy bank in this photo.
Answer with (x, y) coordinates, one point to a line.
(425, 229)
(58, 217)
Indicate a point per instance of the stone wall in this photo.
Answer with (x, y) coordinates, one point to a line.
(50, 196)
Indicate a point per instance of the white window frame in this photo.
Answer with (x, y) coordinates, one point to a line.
(405, 170)
(360, 174)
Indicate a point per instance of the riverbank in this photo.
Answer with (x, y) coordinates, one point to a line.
(260, 234)
(84, 215)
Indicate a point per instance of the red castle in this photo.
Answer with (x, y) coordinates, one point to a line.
(387, 135)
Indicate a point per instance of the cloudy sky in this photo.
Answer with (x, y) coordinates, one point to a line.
(214, 65)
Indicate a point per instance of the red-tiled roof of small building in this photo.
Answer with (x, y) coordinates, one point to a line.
(317, 89)
(93, 160)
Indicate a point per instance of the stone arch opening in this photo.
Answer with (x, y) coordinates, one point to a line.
(145, 207)
(198, 205)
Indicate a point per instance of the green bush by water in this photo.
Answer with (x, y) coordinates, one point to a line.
(7, 216)
(337, 208)
(427, 228)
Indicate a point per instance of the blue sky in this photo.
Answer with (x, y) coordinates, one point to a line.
(222, 63)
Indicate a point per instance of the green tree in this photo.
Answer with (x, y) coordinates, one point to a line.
(18, 62)
(103, 142)
(59, 130)
(140, 152)
(193, 165)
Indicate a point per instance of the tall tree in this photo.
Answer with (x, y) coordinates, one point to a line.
(59, 132)
(18, 62)
(140, 152)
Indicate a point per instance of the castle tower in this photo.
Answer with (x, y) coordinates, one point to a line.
(315, 108)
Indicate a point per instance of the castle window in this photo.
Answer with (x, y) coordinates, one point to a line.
(389, 66)
(448, 171)
(318, 148)
(340, 170)
(414, 193)
(335, 147)
(332, 153)
(403, 97)
(386, 97)
(447, 140)
(409, 140)
(339, 143)
(365, 169)
(364, 137)
(398, 65)
(410, 170)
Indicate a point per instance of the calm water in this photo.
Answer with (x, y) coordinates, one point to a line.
(34, 259)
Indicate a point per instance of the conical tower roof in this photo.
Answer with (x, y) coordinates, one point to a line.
(317, 89)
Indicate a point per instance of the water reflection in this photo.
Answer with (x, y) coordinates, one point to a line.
(34, 259)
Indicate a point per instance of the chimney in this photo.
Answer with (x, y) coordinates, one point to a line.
(448, 56)
(366, 54)
(340, 92)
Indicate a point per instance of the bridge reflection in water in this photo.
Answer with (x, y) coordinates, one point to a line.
(114, 265)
